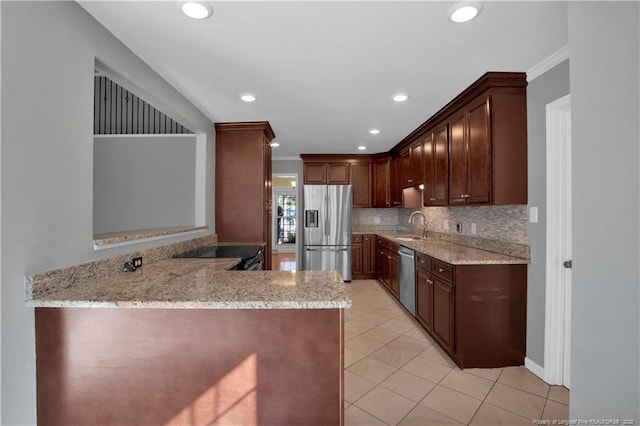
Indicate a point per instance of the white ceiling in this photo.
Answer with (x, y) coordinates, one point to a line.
(324, 72)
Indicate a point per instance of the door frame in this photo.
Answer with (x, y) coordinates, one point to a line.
(293, 248)
(557, 348)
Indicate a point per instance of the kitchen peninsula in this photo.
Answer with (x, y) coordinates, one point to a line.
(186, 341)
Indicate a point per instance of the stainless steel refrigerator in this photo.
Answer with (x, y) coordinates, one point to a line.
(327, 229)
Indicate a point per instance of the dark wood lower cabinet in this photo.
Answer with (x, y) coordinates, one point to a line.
(387, 265)
(424, 298)
(363, 256)
(135, 366)
(443, 313)
(476, 313)
(356, 258)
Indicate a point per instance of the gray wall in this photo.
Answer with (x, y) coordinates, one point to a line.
(604, 44)
(294, 166)
(548, 87)
(48, 55)
(142, 182)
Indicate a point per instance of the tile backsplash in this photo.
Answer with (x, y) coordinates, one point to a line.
(502, 223)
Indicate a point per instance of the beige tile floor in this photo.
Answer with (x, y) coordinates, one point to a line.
(395, 374)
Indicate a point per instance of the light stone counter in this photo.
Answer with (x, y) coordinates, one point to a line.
(454, 254)
(198, 283)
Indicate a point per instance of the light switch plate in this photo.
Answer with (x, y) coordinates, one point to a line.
(533, 214)
(376, 219)
(473, 229)
(446, 225)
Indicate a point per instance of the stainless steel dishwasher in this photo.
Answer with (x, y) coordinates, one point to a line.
(408, 279)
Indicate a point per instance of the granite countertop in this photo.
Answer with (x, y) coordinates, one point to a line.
(454, 254)
(200, 284)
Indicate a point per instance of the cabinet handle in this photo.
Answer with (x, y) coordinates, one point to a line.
(432, 199)
(429, 282)
(409, 180)
(421, 261)
(440, 269)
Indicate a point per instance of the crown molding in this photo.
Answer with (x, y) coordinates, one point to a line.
(548, 63)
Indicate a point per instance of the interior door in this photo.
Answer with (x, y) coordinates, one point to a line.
(557, 352)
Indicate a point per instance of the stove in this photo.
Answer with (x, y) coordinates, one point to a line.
(251, 255)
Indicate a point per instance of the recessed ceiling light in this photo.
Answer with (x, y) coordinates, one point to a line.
(465, 11)
(248, 97)
(400, 97)
(275, 144)
(362, 147)
(374, 131)
(197, 9)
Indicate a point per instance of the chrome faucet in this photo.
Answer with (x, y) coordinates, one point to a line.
(424, 222)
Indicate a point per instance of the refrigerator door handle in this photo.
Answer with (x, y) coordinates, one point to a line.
(326, 249)
(327, 222)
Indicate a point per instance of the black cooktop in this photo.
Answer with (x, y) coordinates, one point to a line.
(242, 252)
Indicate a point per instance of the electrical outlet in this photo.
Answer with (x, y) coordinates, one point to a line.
(533, 214)
(459, 228)
(473, 229)
(446, 225)
(137, 261)
(376, 219)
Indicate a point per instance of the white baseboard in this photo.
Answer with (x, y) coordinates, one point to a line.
(534, 368)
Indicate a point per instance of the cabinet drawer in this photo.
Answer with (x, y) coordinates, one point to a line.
(442, 270)
(423, 262)
(357, 238)
(384, 243)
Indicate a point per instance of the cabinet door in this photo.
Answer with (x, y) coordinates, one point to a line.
(415, 164)
(424, 298)
(394, 273)
(404, 170)
(368, 254)
(428, 193)
(379, 259)
(443, 312)
(395, 186)
(381, 193)
(314, 173)
(458, 157)
(441, 166)
(479, 147)
(356, 259)
(337, 173)
(360, 179)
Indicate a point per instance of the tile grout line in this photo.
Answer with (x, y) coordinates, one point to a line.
(415, 325)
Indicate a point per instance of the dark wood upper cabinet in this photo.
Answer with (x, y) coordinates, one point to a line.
(484, 147)
(404, 169)
(335, 169)
(472, 151)
(314, 173)
(395, 186)
(436, 168)
(360, 178)
(416, 160)
(318, 173)
(337, 173)
(381, 183)
(458, 160)
(470, 155)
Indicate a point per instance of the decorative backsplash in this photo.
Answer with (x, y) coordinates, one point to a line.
(502, 223)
